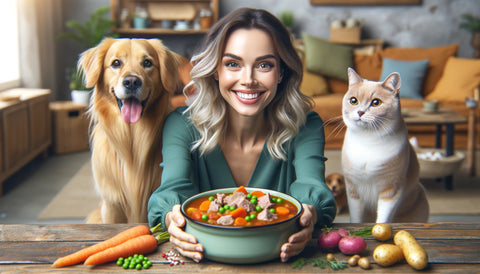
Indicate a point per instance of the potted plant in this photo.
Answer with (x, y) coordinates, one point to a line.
(472, 24)
(88, 35)
(287, 17)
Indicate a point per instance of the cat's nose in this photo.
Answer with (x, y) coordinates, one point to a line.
(360, 113)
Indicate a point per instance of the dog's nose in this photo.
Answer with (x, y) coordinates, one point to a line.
(132, 82)
(334, 188)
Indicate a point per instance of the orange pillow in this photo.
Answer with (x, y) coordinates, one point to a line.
(313, 84)
(460, 77)
(437, 56)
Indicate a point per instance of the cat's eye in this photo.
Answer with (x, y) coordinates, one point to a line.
(353, 101)
(376, 102)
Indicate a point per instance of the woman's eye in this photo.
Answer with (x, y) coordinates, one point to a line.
(147, 63)
(376, 102)
(353, 101)
(265, 66)
(231, 65)
(116, 63)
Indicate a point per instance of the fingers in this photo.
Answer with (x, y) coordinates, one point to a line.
(297, 241)
(185, 243)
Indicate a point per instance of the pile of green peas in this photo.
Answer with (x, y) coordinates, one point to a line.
(137, 261)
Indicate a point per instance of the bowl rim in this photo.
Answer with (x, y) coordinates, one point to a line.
(249, 189)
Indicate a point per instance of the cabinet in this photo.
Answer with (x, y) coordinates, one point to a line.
(164, 16)
(25, 128)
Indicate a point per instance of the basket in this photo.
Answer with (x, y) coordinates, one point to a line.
(440, 167)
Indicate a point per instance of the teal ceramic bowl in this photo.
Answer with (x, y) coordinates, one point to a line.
(242, 245)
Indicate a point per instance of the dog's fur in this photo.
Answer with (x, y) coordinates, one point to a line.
(127, 143)
(336, 183)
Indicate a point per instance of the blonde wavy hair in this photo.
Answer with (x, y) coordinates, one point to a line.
(287, 111)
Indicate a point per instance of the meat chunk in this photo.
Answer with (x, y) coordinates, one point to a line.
(214, 206)
(236, 199)
(225, 220)
(266, 215)
(265, 201)
(247, 205)
(220, 198)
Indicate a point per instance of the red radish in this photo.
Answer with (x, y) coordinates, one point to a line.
(350, 245)
(343, 232)
(329, 240)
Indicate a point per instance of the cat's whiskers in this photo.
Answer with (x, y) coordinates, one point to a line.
(339, 125)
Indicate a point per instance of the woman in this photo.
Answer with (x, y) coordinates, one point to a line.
(247, 125)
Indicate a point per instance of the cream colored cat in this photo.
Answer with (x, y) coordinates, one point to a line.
(380, 166)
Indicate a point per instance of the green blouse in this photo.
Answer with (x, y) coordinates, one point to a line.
(186, 173)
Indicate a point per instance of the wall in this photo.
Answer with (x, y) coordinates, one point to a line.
(433, 23)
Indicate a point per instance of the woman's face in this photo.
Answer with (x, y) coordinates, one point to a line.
(249, 72)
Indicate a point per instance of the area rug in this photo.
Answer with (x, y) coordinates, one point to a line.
(78, 198)
(75, 200)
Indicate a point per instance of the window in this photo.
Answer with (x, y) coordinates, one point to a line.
(9, 53)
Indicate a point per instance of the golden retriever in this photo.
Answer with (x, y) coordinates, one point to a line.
(133, 80)
(336, 183)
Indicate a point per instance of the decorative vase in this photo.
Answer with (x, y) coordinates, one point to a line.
(81, 96)
(140, 22)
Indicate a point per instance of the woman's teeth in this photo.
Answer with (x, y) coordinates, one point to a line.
(248, 95)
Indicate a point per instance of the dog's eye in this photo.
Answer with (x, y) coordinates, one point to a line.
(147, 63)
(116, 63)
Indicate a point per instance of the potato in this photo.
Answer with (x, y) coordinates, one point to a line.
(353, 261)
(413, 252)
(382, 232)
(364, 263)
(387, 254)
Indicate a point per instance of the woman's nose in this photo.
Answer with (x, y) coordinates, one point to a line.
(248, 77)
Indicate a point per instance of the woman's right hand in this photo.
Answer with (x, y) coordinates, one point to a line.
(184, 243)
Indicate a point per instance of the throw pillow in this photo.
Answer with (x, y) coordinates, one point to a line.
(460, 77)
(313, 84)
(327, 59)
(437, 56)
(411, 74)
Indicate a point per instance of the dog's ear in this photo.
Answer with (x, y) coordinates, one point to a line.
(91, 62)
(170, 65)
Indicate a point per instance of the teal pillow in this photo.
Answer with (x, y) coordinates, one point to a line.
(327, 59)
(411, 74)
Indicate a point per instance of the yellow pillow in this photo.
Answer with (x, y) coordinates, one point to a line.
(313, 84)
(460, 77)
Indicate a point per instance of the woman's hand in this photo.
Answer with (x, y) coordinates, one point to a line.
(297, 242)
(184, 243)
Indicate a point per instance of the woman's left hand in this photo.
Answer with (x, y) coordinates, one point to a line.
(297, 242)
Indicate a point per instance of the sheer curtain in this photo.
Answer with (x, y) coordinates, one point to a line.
(39, 22)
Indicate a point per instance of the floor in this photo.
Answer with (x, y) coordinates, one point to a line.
(28, 191)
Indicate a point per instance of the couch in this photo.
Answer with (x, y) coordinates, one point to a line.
(427, 74)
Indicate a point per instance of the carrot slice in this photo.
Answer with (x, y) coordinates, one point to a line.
(282, 211)
(257, 193)
(204, 206)
(239, 212)
(240, 221)
(241, 189)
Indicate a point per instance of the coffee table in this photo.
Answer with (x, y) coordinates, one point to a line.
(443, 117)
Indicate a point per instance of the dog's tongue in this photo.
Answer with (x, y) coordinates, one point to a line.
(131, 110)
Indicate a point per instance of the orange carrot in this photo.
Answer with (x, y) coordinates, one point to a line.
(140, 245)
(204, 206)
(241, 189)
(282, 211)
(83, 254)
(257, 193)
(239, 212)
(240, 221)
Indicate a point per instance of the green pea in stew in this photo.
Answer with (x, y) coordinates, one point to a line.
(241, 208)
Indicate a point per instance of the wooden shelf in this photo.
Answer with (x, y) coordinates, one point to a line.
(175, 10)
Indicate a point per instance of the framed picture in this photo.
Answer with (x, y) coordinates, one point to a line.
(365, 2)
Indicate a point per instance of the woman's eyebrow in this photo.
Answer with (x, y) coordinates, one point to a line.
(269, 56)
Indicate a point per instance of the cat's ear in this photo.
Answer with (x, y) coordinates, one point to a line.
(353, 77)
(392, 82)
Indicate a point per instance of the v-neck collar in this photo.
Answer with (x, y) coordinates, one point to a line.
(224, 171)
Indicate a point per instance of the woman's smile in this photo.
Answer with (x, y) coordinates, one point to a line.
(248, 97)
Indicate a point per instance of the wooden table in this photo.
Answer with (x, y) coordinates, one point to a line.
(451, 247)
(443, 117)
